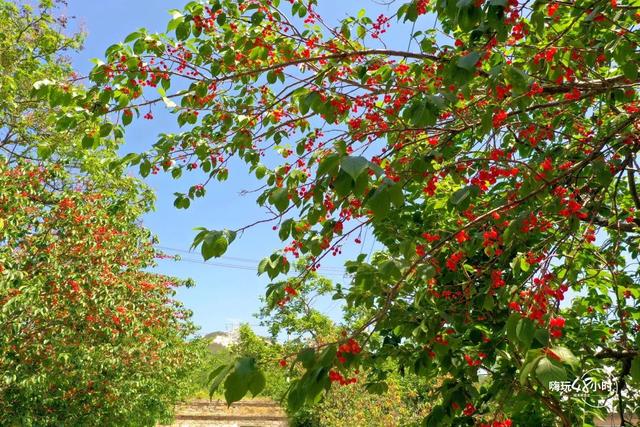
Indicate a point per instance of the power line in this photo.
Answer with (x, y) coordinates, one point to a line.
(252, 261)
(241, 267)
(190, 252)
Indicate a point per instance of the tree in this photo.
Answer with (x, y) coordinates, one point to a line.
(88, 335)
(291, 311)
(494, 159)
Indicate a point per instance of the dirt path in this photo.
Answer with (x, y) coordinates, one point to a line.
(250, 413)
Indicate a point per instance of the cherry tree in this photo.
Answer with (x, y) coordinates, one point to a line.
(88, 335)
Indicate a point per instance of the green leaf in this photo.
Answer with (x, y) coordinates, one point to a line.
(542, 337)
(377, 388)
(295, 396)
(468, 17)
(469, 61)
(307, 357)
(105, 129)
(630, 70)
(280, 199)
(217, 376)
(548, 370)
(241, 379)
(396, 195)
(262, 267)
(285, 229)
(44, 151)
(518, 78)
(258, 383)
(183, 30)
(235, 388)
(354, 166)
(436, 418)
(257, 18)
(525, 331)
(329, 165)
(566, 356)
(133, 36)
(343, 184)
(380, 202)
(87, 142)
(261, 171)
(127, 119)
(527, 368)
(635, 369)
(462, 197)
(313, 101)
(511, 326)
(214, 243)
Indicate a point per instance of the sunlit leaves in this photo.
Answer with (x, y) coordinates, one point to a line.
(280, 199)
(213, 243)
(461, 198)
(239, 378)
(354, 166)
(635, 369)
(548, 370)
(273, 266)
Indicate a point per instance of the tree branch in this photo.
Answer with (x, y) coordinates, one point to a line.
(632, 188)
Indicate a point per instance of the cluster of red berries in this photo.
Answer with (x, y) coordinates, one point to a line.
(421, 6)
(505, 423)
(453, 260)
(335, 376)
(350, 347)
(475, 362)
(536, 301)
(499, 118)
(380, 26)
(556, 325)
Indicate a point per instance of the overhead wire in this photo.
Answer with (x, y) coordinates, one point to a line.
(327, 271)
(248, 260)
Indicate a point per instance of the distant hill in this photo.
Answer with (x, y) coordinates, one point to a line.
(221, 340)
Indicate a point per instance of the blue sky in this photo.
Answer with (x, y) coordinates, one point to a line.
(227, 290)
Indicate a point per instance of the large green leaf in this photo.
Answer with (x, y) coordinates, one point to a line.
(527, 368)
(525, 331)
(295, 396)
(354, 166)
(635, 369)
(548, 370)
(245, 376)
(566, 356)
(380, 202)
(213, 243)
(469, 61)
(461, 198)
(280, 199)
(217, 376)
